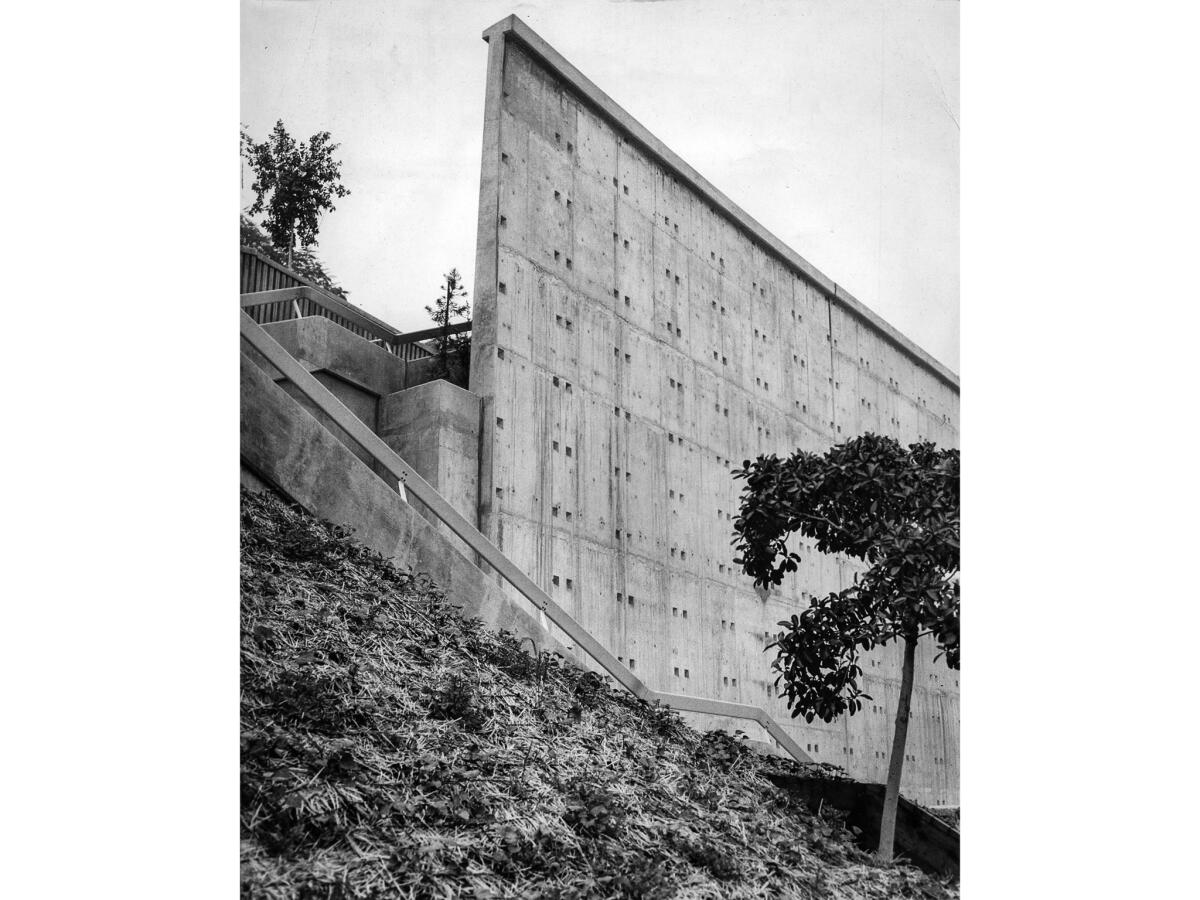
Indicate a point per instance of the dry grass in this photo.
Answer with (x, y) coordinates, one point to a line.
(392, 749)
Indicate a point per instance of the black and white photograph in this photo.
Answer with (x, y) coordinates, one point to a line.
(576, 511)
(599, 539)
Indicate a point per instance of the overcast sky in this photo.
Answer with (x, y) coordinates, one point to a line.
(832, 122)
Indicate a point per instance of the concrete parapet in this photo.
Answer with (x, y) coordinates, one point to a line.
(324, 346)
(420, 371)
(356, 371)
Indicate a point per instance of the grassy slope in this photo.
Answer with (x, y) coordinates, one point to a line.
(391, 749)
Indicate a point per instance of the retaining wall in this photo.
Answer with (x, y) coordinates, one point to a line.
(636, 335)
(286, 448)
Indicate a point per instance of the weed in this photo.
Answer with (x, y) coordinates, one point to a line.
(720, 751)
(593, 811)
(391, 748)
(458, 699)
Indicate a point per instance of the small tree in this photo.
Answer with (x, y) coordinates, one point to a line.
(453, 350)
(895, 508)
(293, 184)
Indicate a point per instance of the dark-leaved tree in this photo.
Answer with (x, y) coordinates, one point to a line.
(452, 350)
(897, 509)
(293, 184)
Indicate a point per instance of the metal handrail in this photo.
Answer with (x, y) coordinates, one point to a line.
(410, 480)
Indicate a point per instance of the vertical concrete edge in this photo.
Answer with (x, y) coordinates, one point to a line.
(482, 380)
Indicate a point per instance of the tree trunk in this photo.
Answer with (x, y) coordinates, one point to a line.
(445, 348)
(891, 795)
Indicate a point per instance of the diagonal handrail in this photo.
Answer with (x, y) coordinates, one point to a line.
(385, 456)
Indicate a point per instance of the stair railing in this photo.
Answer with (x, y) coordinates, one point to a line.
(281, 304)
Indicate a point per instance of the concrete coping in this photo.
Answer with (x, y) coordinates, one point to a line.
(513, 27)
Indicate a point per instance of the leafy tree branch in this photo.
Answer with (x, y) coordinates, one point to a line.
(294, 183)
(895, 508)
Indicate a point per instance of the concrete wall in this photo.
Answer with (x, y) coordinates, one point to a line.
(636, 334)
(434, 426)
(285, 448)
(356, 371)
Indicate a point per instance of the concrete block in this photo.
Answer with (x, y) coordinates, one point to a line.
(328, 347)
(435, 428)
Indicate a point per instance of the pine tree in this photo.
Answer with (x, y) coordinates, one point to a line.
(453, 350)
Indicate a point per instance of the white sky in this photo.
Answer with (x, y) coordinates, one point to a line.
(832, 122)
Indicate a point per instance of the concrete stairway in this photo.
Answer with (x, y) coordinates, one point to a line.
(308, 459)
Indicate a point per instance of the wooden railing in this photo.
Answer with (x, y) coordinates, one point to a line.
(261, 273)
(409, 480)
(280, 305)
(273, 293)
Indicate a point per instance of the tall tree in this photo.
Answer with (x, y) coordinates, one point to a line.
(896, 509)
(453, 350)
(293, 184)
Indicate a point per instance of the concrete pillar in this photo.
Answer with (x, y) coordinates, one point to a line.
(434, 427)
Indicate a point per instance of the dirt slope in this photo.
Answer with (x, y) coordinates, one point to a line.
(391, 749)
